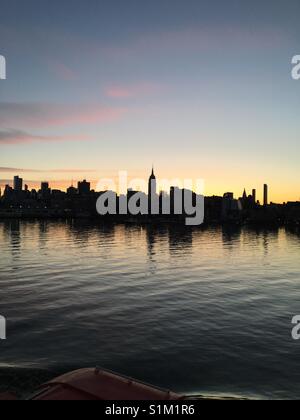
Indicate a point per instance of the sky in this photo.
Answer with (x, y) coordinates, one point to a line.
(199, 88)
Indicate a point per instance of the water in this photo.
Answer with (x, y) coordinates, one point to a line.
(198, 310)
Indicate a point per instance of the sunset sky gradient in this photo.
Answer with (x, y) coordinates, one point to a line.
(200, 89)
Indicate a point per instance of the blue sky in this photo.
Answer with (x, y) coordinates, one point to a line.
(202, 89)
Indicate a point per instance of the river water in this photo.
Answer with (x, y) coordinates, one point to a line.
(194, 310)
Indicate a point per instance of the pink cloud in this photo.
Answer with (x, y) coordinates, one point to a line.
(118, 92)
(35, 115)
(22, 137)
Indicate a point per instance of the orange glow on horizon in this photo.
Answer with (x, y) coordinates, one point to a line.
(277, 193)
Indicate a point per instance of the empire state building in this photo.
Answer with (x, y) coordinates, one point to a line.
(152, 193)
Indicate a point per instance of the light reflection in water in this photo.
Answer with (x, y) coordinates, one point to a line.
(205, 310)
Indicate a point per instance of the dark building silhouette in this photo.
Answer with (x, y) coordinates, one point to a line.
(247, 201)
(231, 208)
(45, 190)
(84, 187)
(45, 186)
(18, 184)
(8, 191)
(71, 191)
(152, 189)
(266, 195)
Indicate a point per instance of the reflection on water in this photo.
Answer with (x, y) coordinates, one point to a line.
(195, 310)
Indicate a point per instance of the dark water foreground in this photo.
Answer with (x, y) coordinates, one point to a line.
(23, 382)
(195, 310)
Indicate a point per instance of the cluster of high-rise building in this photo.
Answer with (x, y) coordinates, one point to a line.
(84, 188)
(251, 200)
(18, 192)
(80, 200)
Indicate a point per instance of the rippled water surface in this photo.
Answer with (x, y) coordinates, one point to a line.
(197, 310)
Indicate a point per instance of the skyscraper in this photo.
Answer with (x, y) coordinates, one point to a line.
(45, 190)
(254, 196)
(152, 190)
(266, 192)
(84, 187)
(18, 183)
(44, 186)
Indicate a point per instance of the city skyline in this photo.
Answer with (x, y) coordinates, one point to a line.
(74, 178)
(18, 183)
(145, 201)
(200, 93)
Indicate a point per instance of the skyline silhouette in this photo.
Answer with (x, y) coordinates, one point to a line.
(82, 202)
(35, 184)
(38, 185)
(85, 186)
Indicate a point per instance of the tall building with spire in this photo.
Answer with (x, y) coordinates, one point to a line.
(152, 190)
